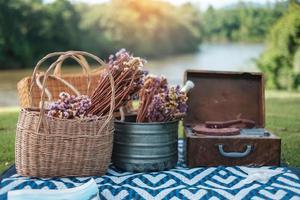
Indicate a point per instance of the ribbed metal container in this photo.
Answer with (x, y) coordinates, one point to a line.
(142, 147)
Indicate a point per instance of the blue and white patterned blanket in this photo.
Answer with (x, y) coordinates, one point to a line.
(178, 183)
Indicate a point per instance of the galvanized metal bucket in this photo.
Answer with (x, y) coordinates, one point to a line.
(143, 147)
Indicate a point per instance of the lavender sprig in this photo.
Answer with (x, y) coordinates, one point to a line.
(166, 105)
(69, 107)
(161, 103)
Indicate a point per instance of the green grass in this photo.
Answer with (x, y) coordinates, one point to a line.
(8, 119)
(282, 118)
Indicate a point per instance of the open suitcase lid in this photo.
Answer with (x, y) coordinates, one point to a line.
(222, 96)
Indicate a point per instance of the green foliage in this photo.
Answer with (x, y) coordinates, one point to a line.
(148, 28)
(243, 22)
(30, 29)
(280, 61)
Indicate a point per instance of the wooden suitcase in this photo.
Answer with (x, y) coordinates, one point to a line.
(223, 96)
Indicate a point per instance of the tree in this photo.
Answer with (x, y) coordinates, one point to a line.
(30, 29)
(280, 62)
(148, 28)
(241, 22)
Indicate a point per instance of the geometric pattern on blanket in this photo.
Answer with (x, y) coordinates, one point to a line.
(178, 183)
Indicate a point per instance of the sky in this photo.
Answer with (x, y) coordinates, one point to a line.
(203, 4)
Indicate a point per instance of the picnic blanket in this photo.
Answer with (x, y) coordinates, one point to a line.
(178, 183)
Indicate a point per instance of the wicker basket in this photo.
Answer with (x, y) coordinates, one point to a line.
(53, 147)
(79, 81)
(48, 93)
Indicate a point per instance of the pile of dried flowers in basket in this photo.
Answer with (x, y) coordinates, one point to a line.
(69, 106)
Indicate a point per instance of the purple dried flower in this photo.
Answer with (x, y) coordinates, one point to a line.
(69, 107)
(167, 103)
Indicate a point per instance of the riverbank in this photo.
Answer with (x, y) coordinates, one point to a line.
(282, 118)
(221, 57)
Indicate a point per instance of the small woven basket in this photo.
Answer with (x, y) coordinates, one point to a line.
(53, 147)
(79, 81)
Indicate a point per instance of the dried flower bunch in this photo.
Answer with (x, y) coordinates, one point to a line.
(128, 75)
(70, 107)
(160, 103)
(152, 86)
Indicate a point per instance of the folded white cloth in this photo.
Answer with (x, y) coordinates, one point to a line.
(87, 191)
(261, 175)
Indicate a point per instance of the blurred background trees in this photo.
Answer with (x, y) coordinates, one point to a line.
(281, 60)
(149, 28)
(153, 29)
(247, 22)
(31, 28)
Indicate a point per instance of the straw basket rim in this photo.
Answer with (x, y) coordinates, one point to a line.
(85, 119)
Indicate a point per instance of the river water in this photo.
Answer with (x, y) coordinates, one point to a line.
(223, 57)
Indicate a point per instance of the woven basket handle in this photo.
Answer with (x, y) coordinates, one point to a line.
(70, 54)
(57, 70)
(48, 93)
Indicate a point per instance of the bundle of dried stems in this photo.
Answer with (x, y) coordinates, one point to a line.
(160, 103)
(152, 86)
(128, 75)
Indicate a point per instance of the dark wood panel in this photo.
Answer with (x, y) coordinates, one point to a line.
(204, 151)
(222, 96)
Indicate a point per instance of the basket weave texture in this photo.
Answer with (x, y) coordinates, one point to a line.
(54, 147)
(79, 81)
